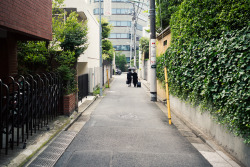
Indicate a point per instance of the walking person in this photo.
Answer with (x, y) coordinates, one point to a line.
(129, 75)
(135, 78)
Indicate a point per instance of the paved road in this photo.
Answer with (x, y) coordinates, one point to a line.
(127, 129)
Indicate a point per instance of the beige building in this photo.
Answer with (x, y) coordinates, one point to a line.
(163, 42)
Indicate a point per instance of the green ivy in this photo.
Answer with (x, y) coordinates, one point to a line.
(207, 19)
(214, 74)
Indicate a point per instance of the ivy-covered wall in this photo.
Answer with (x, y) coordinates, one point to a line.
(208, 61)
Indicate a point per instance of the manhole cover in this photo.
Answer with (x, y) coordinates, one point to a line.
(129, 116)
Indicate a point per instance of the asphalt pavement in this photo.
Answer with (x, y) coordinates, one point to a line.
(125, 128)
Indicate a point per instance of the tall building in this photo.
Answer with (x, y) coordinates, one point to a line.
(125, 16)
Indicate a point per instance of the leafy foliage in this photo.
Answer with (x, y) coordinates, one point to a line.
(208, 60)
(120, 61)
(69, 42)
(107, 50)
(164, 10)
(74, 35)
(106, 28)
(144, 46)
(107, 46)
(31, 54)
(215, 74)
(207, 19)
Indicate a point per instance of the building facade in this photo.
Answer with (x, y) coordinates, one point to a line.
(124, 13)
(22, 20)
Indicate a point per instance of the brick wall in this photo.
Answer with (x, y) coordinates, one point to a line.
(69, 103)
(28, 17)
(8, 58)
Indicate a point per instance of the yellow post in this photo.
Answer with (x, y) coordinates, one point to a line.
(107, 76)
(167, 95)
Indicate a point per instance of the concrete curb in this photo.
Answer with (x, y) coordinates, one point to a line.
(79, 114)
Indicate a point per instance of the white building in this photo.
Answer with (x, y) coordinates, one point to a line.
(89, 61)
(123, 23)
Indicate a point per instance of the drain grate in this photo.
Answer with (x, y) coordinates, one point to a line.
(54, 151)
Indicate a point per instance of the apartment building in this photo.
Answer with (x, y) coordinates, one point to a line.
(124, 13)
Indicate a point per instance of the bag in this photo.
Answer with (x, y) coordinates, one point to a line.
(127, 82)
(138, 84)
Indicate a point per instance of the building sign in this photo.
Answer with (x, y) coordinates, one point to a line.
(153, 54)
(107, 7)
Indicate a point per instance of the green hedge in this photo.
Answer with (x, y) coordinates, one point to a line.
(214, 74)
(208, 19)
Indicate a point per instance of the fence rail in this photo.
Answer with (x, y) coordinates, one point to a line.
(27, 104)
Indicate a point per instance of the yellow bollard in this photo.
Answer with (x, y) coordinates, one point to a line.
(107, 76)
(167, 95)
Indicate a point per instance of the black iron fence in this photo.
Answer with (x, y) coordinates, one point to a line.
(27, 104)
(82, 86)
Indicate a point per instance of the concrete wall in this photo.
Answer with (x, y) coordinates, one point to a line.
(233, 144)
(33, 18)
(161, 91)
(161, 48)
(82, 68)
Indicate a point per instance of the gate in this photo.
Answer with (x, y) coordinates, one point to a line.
(26, 105)
(83, 85)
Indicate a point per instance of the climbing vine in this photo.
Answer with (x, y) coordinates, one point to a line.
(208, 60)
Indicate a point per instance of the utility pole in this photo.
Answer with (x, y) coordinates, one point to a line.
(153, 90)
(131, 45)
(100, 33)
(134, 18)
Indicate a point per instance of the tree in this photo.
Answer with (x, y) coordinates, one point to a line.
(144, 46)
(107, 46)
(74, 35)
(120, 61)
(106, 28)
(107, 50)
(69, 42)
(164, 10)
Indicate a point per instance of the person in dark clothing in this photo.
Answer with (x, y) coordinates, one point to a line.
(135, 78)
(129, 75)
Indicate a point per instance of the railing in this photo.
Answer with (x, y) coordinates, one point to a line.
(82, 86)
(27, 104)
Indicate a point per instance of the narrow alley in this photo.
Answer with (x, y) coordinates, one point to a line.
(126, 129)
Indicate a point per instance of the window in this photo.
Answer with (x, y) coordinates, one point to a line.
(165, 42)
(119, 35)
(120, 23)
(122, 47)
(139, 27)
(96, 11)
(118, 11)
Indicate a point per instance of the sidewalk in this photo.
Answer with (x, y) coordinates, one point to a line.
(215, 154)
(39, 140)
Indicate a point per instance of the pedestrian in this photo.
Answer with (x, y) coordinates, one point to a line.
(129, 75)
(135, 78)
